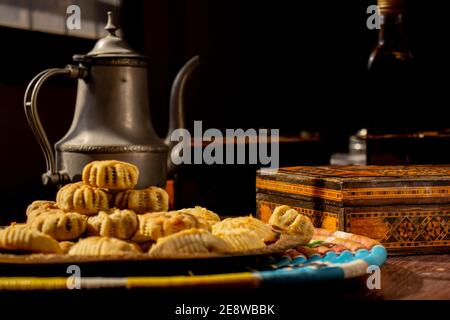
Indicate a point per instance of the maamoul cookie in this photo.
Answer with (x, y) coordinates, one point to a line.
(21, 238)
(160, 224)
(82, 198)
(120, 224)
(240, 239)
(110, 174)
(57, 224)
(152, 199)
(289, 220)
(263, 231)
(41, 205)
(188, 242)
(200, 212)
(38, 212)
(100, 246)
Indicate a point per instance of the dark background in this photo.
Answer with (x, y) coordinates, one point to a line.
(293, 65)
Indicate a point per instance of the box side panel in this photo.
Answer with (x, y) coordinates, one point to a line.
(403, 229)
(327, 217)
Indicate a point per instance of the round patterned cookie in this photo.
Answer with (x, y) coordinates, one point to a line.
(41, 205)
(82, 198)
(110, 174)
(155, 225)
(120, 224)
(57, 224)
(289, 220)
(152, 199)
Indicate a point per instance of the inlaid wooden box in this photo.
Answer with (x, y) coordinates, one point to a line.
(407, 208)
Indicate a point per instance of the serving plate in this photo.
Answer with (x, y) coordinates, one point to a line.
(284, 243)
(329, 256)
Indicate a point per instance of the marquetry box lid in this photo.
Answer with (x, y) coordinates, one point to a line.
(361, 185)
(407, 208)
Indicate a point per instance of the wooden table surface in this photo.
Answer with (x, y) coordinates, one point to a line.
(414, 277)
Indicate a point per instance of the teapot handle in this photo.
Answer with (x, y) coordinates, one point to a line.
(52, 176)
(176, 116)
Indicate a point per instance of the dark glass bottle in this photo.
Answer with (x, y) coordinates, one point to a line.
(391, 76)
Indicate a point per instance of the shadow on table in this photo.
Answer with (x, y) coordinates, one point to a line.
(397, 282)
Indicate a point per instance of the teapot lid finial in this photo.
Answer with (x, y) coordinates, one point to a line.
(112, 45)
(110, 26)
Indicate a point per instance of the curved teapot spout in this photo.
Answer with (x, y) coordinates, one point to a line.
(176, 116)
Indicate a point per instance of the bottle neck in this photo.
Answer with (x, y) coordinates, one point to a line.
(391, 32)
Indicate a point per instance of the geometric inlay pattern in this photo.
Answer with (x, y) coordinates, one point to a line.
(402, 229)
(419, 229)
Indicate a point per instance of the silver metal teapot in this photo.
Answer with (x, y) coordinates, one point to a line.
(112, 117)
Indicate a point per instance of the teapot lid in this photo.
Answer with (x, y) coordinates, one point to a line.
(112, 46)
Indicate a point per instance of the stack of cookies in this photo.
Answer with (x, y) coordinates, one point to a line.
(104, 215)
(102, 207)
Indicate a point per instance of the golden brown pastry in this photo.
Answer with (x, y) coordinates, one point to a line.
(241, 239)
(152, 199)
(38, 212)
(21, 238)
(120, 224)
(189, 242)
(263, 231)
(66, 245)
(160, 224)
(82, 198)
(110, 174)
(289, 220)
(41, 205)
(101, 246)
(57, 224)
(203, 213)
